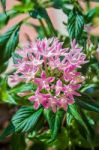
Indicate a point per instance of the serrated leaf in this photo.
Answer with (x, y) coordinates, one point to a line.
(75, 24)
(87, 103)
(24, 120)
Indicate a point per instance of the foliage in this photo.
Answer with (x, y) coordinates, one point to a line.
(61, 130)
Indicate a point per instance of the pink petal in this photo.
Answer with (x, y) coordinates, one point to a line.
(43, 75)
(50, 79)
(32, 98)
(36, 105)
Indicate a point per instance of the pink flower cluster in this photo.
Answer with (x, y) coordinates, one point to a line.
(53, 69)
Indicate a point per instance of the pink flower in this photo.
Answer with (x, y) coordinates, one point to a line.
(27, 71)
(40, 98)
(24, 52)
(58, 87)
(70, 75)
(63, 103)
(15, 79)
(53, 69)
(43, 82)
(70, 90)
(53, 103)
(49, 48)
(54, 62)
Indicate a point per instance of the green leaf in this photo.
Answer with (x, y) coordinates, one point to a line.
(23, 8)
(24, 120)
(4, 95)
(57, 124)
(83, 122)
(75, 24)
(62, 140)
(90, 131)
(4, 18)
(50, 117)
(11, 44)
(8, 43)
(7, 131)
(59, 4)
(3, 67)
(87, 103)
(54, 120)
(7, 98)
(23, 87)
(10, 96)
(69, 118)
(4, 38)
(90, 14)
(72, 109)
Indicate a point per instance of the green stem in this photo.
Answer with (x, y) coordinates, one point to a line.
(50, 25)
(43, 27)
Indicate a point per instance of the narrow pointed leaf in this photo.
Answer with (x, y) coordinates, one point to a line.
(57, 124)
(87, 103)
(11, 44)
(72, 109)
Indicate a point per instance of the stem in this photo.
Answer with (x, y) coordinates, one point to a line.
(50, 25)
(43, 27)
